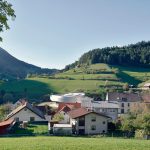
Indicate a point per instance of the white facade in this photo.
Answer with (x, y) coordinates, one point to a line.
(91, 126)
(26, 115)
(66, 118)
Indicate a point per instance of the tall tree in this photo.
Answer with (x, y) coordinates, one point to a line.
(6, 12)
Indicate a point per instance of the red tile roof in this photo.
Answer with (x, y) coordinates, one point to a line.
(76, 113)
(70, 106)
(7, 122)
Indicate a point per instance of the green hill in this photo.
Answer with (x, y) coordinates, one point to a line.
(96, 78)
(12, 68)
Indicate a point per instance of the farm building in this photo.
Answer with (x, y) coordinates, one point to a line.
(69, 98)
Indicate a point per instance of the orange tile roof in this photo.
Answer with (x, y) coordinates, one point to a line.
(7, 122)
(76, 113)
(69, 105)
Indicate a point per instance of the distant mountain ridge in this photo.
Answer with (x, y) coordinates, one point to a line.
(11, 67)
(131, 55)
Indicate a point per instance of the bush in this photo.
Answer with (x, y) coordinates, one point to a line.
(139, 134)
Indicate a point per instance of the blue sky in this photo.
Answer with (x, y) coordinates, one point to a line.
(54, 33)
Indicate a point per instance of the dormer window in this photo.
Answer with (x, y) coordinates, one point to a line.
(124, 99)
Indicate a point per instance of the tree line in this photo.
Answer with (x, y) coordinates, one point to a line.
(132, 55)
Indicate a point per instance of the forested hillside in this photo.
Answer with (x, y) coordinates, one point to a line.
(131, 55)
(10, 67)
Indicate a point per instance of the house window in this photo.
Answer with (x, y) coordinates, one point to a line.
(122, 105)
(104, 122)
(17, 119)
(32, 119)
(93, 127)
(128, 104)
(122, 111)
(81, 121)
(124, 99)
(93, 118)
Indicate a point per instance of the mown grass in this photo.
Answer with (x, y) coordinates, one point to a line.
(72, 143)
(41, 86)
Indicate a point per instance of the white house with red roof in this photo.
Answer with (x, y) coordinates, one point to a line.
(83, 121)
(88, 122)
(64, 108)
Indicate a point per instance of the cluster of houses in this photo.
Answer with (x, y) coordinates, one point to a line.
(73, 113)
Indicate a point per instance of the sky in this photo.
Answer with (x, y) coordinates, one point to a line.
(55, 33)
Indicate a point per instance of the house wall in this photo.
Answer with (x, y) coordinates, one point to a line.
(66, 119)
(48, 117)
(100, 127)
(111, 112)
(126, 108)
(25, 114)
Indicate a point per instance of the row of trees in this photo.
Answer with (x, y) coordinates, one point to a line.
(137, 121)
(134, 54)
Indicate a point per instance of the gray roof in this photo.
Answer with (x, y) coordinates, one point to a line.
(28, 106)
(101, 104)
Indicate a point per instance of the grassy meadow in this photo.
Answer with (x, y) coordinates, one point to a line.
(91, 79)
(72, 143)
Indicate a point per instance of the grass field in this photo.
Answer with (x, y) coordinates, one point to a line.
(32, 129)
(92, 79)
(72, 143)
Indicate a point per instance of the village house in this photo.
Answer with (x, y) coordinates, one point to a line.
(124, 100)
(64, 108)
(26, 112)
(88, 122)
(82, 121)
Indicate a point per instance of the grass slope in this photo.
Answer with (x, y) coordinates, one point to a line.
(72, 143)
(93, 79)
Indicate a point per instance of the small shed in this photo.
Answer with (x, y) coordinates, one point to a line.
(62, 129)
